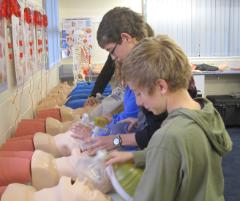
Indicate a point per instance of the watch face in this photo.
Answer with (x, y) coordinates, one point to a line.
(116, 141)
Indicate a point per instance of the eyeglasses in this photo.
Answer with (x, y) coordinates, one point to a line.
(113, 50)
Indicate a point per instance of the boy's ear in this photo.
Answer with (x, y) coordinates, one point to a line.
(126, 36)
(162, 86)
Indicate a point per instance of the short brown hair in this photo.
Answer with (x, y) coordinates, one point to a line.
(120, 20)
(157, 58)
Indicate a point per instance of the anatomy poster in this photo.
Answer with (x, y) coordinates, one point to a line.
(19, 50)
(30, 48)
(40, 47)
(26, 40)
(75, 31)
(45, 49)
(3, 75)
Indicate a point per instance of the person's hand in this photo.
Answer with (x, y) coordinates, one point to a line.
(222, 67)
(131, 121)
(118, 157)
(108, 117)
(80, 131)
(98, 143)
(91, 101)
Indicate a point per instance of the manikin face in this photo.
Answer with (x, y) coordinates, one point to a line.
(155, 102)
(68, 190)
(71, 190)
(120, 51)
(80, 165)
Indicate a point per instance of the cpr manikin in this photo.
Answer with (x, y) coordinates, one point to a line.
(66, 190)
(57, 97)
(43, 170)
(54, 127)
(61, 144)
(48, 125)
(63, 113)
(77, 165)
(68, 117)
(69, 114)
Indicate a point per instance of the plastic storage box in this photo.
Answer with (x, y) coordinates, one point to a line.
(229, 108)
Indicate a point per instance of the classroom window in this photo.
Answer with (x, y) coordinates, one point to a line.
(53, 32)
(201, 27)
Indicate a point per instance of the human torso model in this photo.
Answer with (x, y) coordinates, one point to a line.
(54, 126)
(59, 145)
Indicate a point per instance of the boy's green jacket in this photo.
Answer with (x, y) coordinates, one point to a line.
(183, 158)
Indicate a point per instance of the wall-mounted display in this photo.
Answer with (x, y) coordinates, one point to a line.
(80, 28)
(19, 50)
(29, 45)
(39, 30)
(3, 67)
(29, 38)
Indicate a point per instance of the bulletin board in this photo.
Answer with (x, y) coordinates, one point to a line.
(3, 68)
(71, 28)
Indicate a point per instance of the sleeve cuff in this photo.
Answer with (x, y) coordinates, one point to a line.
(139, 158)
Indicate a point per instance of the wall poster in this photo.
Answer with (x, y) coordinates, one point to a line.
(3, 67)
(19, 50)
(29, 38)
(76, 29)
(77, 42)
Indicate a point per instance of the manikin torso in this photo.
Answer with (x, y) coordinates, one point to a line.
(66, 190)
(69, 114)
(54, 127)
(44, 165)
(58, 145)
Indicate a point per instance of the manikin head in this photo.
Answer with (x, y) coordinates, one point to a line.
(54, 126)
(72, 190)
(93, 168)
(156, 69)
(66, 190)
(119, 31)
(77, 165)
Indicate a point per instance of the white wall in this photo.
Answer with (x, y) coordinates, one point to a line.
(94, 9)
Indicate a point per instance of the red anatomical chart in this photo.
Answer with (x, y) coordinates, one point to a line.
(77, 42)
(29, 38)
(3, 75)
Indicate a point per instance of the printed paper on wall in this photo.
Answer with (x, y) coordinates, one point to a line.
(72, 29)
(3, 67)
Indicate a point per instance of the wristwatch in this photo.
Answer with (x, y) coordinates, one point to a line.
(117, 141)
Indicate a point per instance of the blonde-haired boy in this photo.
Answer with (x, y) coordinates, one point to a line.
(183, 159)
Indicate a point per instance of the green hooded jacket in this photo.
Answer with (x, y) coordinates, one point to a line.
(183, 159)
